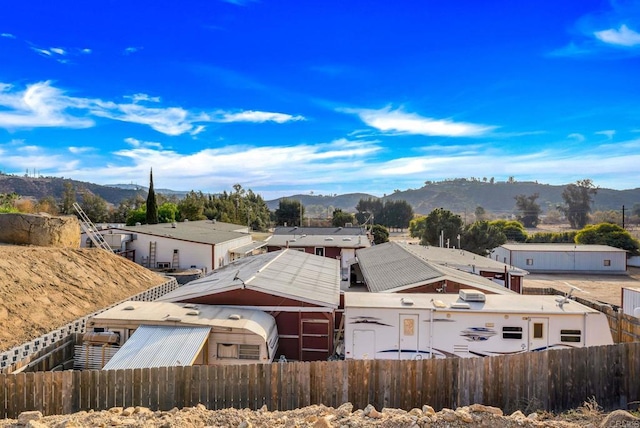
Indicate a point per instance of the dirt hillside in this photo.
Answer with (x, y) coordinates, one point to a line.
(42, 288)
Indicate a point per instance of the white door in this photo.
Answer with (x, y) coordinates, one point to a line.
(538, 334)
(408, 346)
(364, 345)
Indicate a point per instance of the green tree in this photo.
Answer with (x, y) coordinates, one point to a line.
(418, 226)
(608, 234)
(7, 202)
(341, 218)
(136, 216)
(528, 210)
(94, 207)
(369, 209)
(191, 207)
(289, 212)
(152, 204)
(441, 222)
(380, 234)
(513, 230)
(121, 213)
(480, 213)
(577, 198)
(397, 214)
(481, 237)
(68, 198)
(167, 212)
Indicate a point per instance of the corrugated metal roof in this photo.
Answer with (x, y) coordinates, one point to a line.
(156, 312)
(154, 346)
(390, 266)
(203, 231)
(245, 249)
(561, 248)
(298, 241)
(502, 303)
(287, 273)
(324, 231)
(461, 259)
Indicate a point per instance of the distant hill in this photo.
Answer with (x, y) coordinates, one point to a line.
(457, 195)
(462, 195)
(42, 187)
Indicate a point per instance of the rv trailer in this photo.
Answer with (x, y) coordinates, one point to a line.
(399, 326)
(137, 334)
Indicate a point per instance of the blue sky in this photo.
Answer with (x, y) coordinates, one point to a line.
(327, 97)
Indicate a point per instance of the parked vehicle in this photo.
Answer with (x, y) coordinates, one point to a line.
(409, 326)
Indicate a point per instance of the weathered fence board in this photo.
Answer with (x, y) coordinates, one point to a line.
(552, 380)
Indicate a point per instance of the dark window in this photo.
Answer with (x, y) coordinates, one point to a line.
(529, 262)
(512, 332)
(538, 330)
(607, 262)
(570, 336)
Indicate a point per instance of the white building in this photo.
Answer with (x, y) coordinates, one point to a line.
(562, 258)
(204, 244)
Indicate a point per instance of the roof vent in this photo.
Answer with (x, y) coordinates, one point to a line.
(328, 239)
(235, 317)
(129, 308)
(406, 301)
(193, 312)
(460, 305)
(438, 303)
(138, 223)
(346, 239)
(190, 306)
(174, 319)
(472, 296)
(174, 225)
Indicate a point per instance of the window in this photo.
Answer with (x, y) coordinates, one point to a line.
(227, 350)
(538, 330)
(529, 262)
(574, 336)
(163, 265)
(320, 251)
(607, 262)
(249, 352)
(512, 332)
(408, 327)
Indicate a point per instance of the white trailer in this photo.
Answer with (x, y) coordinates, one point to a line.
(400, 326)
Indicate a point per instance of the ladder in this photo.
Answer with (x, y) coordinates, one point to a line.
(152, 255)
(90, 229)
(175, 264)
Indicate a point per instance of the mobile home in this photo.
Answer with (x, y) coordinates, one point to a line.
(162, 334)
(412, 326)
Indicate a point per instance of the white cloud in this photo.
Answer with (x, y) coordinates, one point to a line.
(623, 36)
(258, 117)
(80, 150)
(58, 51)
(578, 137)
(134, 142)
(397, 121)
(131, 50)
(85, 51)
(42, 52)
(607, 133)
(7, 35)
(39, 105)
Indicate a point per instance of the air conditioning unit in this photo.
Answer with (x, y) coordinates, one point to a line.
(472, 296)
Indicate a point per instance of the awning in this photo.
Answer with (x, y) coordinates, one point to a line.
(246, 249)
(159, 346)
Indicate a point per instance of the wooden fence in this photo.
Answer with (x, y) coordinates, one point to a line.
(551, 380)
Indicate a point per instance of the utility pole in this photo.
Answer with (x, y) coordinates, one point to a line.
(623, 216)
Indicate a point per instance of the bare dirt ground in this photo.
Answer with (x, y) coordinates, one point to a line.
(602, 288)
(42, 288)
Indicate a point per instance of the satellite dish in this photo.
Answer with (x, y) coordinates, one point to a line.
(562, 300)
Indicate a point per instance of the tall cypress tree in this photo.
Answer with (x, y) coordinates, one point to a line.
(152, 205)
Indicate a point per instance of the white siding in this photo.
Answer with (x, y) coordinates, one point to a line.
(630, 300)
(222, 256)
(563, 261)
(190, 253)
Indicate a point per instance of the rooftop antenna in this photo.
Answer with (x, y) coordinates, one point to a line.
(566, 298)
(236, 277)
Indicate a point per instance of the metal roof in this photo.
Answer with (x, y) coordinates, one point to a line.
(338, 241)
(156, 346)
(501, 303)
(158, 313)
(461, 259)
(561, 248)
(391, 267)
(324, 231)
(246, 249)
(286, 273)
(203, 231)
